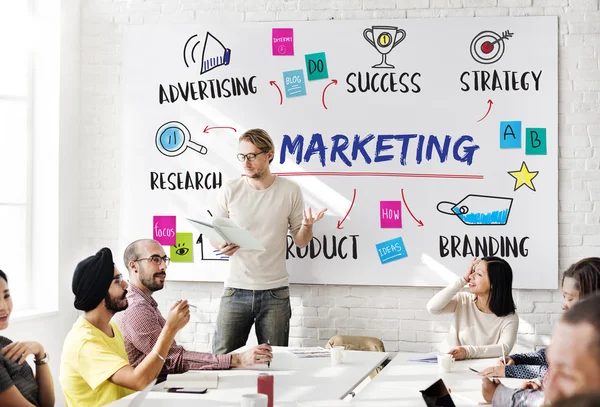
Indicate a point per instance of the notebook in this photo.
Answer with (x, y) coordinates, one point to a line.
(200, 378)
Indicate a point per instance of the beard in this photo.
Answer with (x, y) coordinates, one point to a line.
(116, 305)
(151, 284)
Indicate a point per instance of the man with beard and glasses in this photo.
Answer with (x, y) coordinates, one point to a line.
(257, 289)
(142, 322)
(94, 369)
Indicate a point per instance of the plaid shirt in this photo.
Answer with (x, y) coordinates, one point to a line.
(141, 324)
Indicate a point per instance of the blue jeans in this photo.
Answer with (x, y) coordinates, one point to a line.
(269, 309)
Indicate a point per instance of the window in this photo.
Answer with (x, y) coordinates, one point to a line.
(16, 72)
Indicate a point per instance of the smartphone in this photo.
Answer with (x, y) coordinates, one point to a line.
(194, 390)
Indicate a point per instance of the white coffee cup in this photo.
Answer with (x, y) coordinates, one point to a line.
(445, 361)
(337, 355)
(255, 400)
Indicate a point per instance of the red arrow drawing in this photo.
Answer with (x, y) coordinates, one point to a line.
(280, 94)
(409, 211)
(333, 82)
(206, 129)
(339, 225)
(490, 103)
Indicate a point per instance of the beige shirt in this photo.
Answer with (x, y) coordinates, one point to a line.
(482, 335)
(267, 214)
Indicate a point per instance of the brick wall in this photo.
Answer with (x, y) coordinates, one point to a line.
(397, 315)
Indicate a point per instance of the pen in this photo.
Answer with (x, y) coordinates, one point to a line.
(503, 357)
(268, 343)
(476, 371)
(193, 306)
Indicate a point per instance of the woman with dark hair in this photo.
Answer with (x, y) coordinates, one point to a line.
(485, 322)
(18, 386)
(579, 281)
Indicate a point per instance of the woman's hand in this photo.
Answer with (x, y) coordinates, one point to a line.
(458, 353)
(509, 361)
(471, 268)
(19, 351)
(494, 371)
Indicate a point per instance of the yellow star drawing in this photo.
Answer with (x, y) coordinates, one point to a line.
(524, 177)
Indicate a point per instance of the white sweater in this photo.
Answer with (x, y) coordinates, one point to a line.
(482, 335)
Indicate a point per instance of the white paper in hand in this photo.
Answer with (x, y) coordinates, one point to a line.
(226, 230)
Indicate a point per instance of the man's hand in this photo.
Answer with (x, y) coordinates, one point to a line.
(494, 371)
(257, 355)
(309, 219)
(509, 361)
(19, 351)
(228, 249)
(458, 353)
(488, 388)
(179, 315)
(530, 385)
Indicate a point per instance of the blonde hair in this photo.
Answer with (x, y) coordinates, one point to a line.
(261, 139)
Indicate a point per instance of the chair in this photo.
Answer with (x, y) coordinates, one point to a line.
(362, 343)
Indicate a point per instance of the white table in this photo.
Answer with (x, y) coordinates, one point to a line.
(294, 379)
(398, 384)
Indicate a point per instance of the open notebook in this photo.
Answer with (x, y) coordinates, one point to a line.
(208, 379)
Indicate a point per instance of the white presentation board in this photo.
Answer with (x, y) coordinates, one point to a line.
(429, 141)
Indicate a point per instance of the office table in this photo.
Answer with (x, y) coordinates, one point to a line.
(294, 379)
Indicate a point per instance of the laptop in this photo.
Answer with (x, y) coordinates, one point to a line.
(141, 395)
(437, 395)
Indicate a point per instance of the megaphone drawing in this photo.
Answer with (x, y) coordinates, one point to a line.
(214, 54)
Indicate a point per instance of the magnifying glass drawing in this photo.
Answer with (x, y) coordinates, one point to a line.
(173, 138)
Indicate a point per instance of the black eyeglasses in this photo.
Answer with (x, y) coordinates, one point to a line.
(249, 156)
(118, 278)
(157, 260)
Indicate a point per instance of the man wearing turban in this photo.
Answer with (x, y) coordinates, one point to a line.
(94, 367)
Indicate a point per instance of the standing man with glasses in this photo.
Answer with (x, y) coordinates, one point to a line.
(94, 369)
(257, 288)
(142, 322)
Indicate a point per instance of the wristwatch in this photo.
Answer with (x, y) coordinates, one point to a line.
(42, 361)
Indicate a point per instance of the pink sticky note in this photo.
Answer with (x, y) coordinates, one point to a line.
(164, 230)
(390, 214)
(283, 41)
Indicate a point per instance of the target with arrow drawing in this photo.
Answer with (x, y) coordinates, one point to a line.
(488, 47)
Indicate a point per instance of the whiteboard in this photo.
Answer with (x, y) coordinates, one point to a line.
(429, 141)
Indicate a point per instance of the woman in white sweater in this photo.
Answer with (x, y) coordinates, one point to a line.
(485, 320)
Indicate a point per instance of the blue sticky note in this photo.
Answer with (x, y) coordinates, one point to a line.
(510, 134)
(391, 250)
(536, 141)
(294, 83)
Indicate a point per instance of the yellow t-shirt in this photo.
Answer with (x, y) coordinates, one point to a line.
(89, 358)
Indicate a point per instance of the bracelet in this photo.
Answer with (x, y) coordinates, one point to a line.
(158, 354)
(42, 361)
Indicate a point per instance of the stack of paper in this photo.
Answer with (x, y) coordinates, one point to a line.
(314, 352)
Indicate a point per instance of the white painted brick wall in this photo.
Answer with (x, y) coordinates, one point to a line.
(397, 315)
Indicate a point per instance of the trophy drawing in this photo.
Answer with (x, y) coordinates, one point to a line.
(383, 38)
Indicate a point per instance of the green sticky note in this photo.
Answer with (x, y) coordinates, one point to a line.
(183, 251)
(535, 143)
(316, 66)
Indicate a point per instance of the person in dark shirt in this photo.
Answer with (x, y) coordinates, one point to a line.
(18, 385)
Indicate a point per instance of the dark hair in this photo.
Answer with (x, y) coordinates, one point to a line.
(501, 301)
(2, 275)
(586, 273)
(587, 311)
(579, 400)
